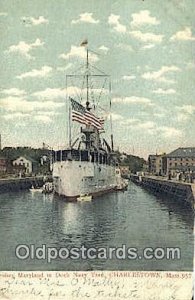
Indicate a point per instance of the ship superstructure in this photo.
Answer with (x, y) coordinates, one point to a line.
(88, 165)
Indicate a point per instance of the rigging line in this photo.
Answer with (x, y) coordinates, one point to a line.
(75, 90)
(77, 69)
(101, 90)
(96, 68)
(82, 86)
(92, 95)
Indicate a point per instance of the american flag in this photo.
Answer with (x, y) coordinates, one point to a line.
(82, 115)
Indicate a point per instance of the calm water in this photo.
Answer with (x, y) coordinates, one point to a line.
(135, 218)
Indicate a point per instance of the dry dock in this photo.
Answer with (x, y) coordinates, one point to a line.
(181, 191)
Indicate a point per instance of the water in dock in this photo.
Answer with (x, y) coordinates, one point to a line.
(135, 218)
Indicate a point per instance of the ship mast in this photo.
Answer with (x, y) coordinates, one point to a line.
(87, 77)
(89, 130)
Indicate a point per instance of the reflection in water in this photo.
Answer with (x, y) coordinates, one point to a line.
(134, 218)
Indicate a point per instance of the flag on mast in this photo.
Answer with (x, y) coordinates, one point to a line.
(84, 43)
(82, 115)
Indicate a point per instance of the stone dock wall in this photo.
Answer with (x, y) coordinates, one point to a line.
(183, 192)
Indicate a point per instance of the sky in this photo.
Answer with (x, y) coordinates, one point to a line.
(146, 46)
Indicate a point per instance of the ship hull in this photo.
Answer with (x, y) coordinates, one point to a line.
(73, 178)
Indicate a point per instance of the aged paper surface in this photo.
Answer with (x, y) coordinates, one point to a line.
(132, 62)
(96, 285)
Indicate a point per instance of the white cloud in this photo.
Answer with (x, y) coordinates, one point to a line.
(104, 48)
(113, 20)
(17, 115)
(147, 37)
(149, 46)
(86, 18)
(189, 109)
(114, 116)
(20, 104)
(23, 48)
(43, 72)
(13, 92)
(185, 112)
(133, 100)
(170, 132)
(159, 75)
(57, 93)
(143, 18)
(129, 77)
(129, 121)
(30, 21)
(48, 113)
(164, 92)
(79, 52)
(3, 14)
(68, 66)
(184, 35)
(43, 119)
(124, 47)
(50, 93)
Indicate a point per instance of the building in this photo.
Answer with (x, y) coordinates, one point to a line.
(3, 164)
(181, 160)
(157, 164)
(25, 165)
(124, 170)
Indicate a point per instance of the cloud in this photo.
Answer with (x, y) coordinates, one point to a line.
(20, 104)
(85, 18)
(133, 100)
(185, 112)
(143, 18)
(57, 93)
(68, 66)
(184, 35)
(79, 52)
(149, 46)
(43, 72)
(147, 37)
(164, 92)
(30, 21)
(124, 47)
(114, 116)
(3, 14)
(23, 48)
(188, 109)
(17, 115)
(129, 121)
(13, 92)
(170, 132)
(129, 77)
(159, 75)
(49, 93)
(43, 119)
(113, 20)
(104, 49)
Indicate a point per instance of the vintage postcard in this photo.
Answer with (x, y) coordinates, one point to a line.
(97, 149)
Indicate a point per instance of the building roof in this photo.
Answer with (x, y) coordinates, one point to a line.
(26, 157)
(182, 152)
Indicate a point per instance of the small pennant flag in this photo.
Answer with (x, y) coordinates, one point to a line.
(84, 43)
